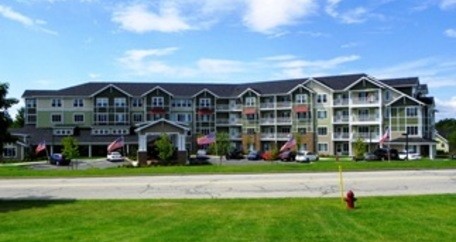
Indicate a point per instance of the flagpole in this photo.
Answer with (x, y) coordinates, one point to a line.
(47, 154)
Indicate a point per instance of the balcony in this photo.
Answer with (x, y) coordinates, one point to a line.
(283, 120)
(304, 121)
(366, 136)
(285, 136)
(267, 121)
(267, 135)
(340, 102)
(341, 119)
(283, 105)
(223, 107)
(267, 105)
(341, 136)
(223, 121)
(366, 118)
(369, 100)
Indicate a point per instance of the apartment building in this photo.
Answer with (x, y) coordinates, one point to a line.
(327, 113)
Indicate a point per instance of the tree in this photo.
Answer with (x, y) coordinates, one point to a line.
(70, 147)
(165, 148)
(447, 128)
(222, 144)
(359, 148)
(19, 120)
(5, 119)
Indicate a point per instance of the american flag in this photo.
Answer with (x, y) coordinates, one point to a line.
(206, 139)
(41, 146)
(386, 136)
(289, 144)
(116, 144)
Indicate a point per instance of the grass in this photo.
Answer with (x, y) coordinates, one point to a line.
(409, 218)
(261, 167)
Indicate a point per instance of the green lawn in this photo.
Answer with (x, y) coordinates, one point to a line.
(260, 167)
(410, 218)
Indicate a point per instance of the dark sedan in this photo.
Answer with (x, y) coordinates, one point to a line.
(59, 160)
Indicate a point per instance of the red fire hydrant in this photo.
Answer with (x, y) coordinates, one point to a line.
(350, 199)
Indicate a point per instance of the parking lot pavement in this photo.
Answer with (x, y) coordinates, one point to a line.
(79, 164)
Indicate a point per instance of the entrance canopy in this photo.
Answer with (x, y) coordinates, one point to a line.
(176, 131)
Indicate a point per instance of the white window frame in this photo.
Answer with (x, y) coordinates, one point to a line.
(136, 102)
(322, 114)
(12, 148)
(30, 103)
(135, 117)
(205, 102)
(99, 119)
(120, 102)
(250, 101)
(56, 115)
(322, 127)
(322, 98)
(102, 102)
(78, 114)
(411, 112)
(56, 102)
(120, 117)
(158, 102)
(323, 144)
(301, 98)
(78, 103)
(409, 128)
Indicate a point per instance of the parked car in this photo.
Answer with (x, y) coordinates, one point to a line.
(386, 154)
(234, 154)
(370, 156)
(287, 155)
(201, 155)
(403, 155)
(254, 155)
(114, 156)
(306, 156)
(59, 159)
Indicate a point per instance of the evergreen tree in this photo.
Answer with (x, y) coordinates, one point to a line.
(19, 120)
(5, 119)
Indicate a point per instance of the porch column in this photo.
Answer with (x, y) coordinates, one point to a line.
(142, 149)
(432, 151)
(90, 151)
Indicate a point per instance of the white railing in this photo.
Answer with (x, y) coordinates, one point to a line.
(340, 102)
(366, 118)
(341, 119)
(266, 105)
(283, 120)
(283, 104)
(341, 135)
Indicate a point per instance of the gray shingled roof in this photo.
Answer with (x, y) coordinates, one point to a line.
(222, 90)
(401, 82)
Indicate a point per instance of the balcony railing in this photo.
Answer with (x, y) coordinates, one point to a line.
(283, 104)
(283, 120)
(341, 119)
(366, 118)
(283, 135)
(223, 107)
(266, 105)
(341, 135)
(340, 102)
(366, 100)
(366, 136)
(267, 135)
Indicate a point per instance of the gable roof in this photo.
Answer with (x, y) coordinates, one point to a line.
(137, 89)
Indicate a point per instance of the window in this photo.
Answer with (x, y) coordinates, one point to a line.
(56, 103)
(31, 119)
(102, 118)
(137, 117)
(78, 103)
(120, 102)
(305, 115)
(387, 95)
(301, 98)
(412, 111)
(321, 114)
(56, 118)
(183, 117)
(250, 101)
(31, 103)
(412, 130)
(181, 103)
(205, 131)
(137, 102)
(79, 118)
(120, 118)
(302, 130)
(322, 131)
(158, 101)
(205, 102)
(102, 102)
(321, 98)
(9, 152)
(322, 147)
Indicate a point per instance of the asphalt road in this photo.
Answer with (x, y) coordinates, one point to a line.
(233, 186)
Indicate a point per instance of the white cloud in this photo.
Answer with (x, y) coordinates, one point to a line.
(138, 18)
(292, 67)
(266, 16)
(447, 4)
(446, 107)
(219, 66)
(351, 16)
(450, 33)
(12, 15)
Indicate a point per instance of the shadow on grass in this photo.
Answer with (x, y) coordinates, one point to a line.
(25, 203)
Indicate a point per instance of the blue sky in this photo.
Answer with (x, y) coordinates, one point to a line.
(53, 44)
